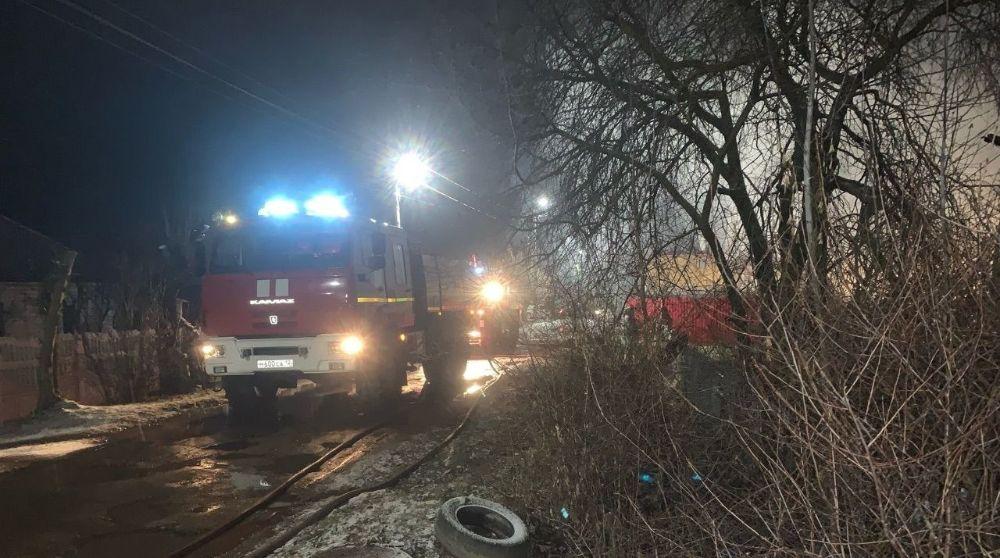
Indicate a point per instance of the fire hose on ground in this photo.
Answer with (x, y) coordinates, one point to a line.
(312, 517)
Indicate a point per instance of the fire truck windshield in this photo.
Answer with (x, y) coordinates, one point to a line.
(279, 252)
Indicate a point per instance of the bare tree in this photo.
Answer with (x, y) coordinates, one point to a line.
(55, 292)
(830, 156)
(708, 108)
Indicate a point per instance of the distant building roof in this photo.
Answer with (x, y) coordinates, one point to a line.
(26, 255)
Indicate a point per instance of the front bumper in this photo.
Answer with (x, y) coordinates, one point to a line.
(306, 355)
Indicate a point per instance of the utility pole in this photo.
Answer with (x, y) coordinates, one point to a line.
(399, 219)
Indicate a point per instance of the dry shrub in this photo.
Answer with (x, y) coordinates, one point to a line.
(883, 409)
(866, 426)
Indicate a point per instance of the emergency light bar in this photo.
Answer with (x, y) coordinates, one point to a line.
(324, 205)
(279, 207)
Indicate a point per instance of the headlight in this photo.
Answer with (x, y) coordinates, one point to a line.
(493, 292)
(351, 345)
(212, 351)
(475, 334)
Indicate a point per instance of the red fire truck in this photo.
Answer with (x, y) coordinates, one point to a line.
(346, 303)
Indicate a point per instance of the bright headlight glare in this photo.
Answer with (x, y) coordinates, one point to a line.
(475, 333)
(493, 292)
(212, 351)
(351, 345)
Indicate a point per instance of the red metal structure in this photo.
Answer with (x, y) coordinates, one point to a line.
(705, 320)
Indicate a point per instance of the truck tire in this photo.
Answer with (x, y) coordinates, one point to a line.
(241, 397)
(250, 398)
(446, 353)
(470, 527)
(377, 390)
(379, 382)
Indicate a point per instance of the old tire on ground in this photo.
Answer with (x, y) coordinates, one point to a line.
(470, 527)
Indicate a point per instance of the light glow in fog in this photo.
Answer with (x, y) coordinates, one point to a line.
(477, 370)
(279, 207)
(326, 205)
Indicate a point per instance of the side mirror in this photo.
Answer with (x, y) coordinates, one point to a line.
(375, 262)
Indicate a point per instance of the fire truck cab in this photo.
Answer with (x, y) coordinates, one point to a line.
(340, 302)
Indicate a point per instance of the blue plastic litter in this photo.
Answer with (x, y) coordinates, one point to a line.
(646, 478)
(696, 477)
(565, 513)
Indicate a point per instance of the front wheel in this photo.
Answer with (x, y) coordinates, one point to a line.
(378, 383)
(249, 398)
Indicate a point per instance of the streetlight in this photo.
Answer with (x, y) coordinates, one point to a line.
(227, 219)
(543, 202)
(410, 172)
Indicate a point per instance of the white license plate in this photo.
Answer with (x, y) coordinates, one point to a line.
(275, 363)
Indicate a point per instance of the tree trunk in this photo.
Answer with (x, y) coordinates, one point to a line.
(56, 285)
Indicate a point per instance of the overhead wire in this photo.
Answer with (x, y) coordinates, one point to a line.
(101, 39)
(197, 50)
(285, 111)
(182, 61)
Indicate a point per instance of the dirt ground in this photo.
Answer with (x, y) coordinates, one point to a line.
(156, 490)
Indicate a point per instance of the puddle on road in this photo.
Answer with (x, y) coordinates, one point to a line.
(248, 481)
(158, 488)
(477, 370)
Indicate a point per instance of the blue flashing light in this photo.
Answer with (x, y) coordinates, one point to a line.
(326, 205)
(479, 270)
(279, 207)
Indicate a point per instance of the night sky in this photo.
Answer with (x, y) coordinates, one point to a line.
(96, 145)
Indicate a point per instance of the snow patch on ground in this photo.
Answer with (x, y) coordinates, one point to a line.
(402, 517)
(68, 419)
(376, 466)
(382, 518)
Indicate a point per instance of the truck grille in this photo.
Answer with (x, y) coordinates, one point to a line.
(266, 325)
(275, 351)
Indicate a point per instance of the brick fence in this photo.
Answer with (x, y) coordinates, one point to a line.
(91, 368)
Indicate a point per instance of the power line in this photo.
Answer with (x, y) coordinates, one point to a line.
(135, 37)
(197, 50)
(456, 200)
(295, 116)
(102, 39)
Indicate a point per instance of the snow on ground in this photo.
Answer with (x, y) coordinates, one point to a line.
(402, 517)
(68, 419)
(395, 518)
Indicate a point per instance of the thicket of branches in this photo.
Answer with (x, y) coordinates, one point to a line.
(830, 157)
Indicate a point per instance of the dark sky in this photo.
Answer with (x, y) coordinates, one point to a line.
(95, 144)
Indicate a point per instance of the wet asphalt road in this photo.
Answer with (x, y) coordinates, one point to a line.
(149, 494)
